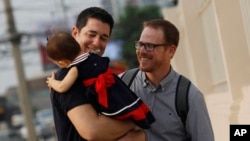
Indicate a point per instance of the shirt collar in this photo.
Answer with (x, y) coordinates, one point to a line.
(163, 84)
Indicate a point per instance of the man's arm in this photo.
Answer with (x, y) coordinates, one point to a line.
(134, 135)
(95, 127)
(198, 121)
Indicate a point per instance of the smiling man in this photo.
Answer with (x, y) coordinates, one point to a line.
(156, 82)
(74, 116)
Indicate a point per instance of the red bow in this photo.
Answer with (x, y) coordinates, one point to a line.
(102, 82)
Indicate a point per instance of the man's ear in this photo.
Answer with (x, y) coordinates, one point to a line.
(172, 50)
(74, 31)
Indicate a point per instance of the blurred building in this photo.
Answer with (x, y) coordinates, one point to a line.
(214, 52)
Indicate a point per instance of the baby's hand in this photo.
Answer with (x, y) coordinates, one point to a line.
(50, 79)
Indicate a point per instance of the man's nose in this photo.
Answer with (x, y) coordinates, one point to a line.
(96, 41)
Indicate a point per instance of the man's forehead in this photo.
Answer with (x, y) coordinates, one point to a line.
(97, 26)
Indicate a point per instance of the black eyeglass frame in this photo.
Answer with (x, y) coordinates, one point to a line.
(147, 46)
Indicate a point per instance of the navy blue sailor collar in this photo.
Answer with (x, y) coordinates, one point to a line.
(79, 59)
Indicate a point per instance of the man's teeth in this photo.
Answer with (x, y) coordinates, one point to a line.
(96, 51)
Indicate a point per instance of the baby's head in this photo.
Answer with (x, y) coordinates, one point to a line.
(62, 48)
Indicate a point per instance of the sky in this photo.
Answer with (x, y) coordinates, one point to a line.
(30, 16)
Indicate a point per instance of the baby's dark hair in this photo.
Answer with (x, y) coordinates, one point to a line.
(62, 45)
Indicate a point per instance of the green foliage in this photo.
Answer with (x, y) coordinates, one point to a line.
(129, 29)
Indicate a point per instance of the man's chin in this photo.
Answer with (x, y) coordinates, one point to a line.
(100, 53)
(144, 68)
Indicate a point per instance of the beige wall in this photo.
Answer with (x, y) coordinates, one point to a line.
(214, 52)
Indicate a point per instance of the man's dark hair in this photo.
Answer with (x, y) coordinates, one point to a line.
(97, 13)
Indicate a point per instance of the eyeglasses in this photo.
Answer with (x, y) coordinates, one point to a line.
(147, 46)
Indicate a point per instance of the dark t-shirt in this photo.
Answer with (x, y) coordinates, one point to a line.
(62, 103)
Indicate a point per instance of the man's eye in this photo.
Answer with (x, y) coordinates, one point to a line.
(104, 38)
(141, 44)
(150, 45)
(91, 35)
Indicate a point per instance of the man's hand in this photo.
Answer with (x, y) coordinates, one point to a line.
(134, 135)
